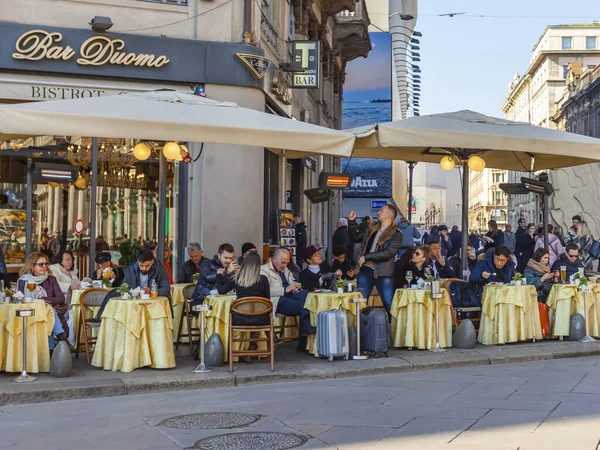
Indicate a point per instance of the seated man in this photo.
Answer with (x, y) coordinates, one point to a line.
(103, 260)
(456, 262)
(141, 274)
(340, 262)
(497, 266)
(318, 274)
(247, 248)
(286, 297)
(223, 264)
(440, 268)
(192, 265)
(569, 259)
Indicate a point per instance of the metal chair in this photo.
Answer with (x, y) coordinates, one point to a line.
(457, 313)
(189, 318)
(89, 298)
(251, 307)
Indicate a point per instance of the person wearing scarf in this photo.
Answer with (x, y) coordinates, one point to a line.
(64, 270)
(538, 274)
(47, 288)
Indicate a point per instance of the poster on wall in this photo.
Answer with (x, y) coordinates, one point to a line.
(367, 101)
(287, 230)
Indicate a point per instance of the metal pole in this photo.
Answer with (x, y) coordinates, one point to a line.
(93, 205)
(357, 302)
(24, 377)
(465, 216)
(437, 295)
(587, 337)
(29, 207)
(411, 166)
(201, 368)
(182, 212)
(545, 219)
(162, 207)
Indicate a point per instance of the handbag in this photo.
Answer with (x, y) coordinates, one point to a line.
(594, 249)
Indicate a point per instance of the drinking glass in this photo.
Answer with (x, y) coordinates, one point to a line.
(31, 287)
(409, 277)
(563, 274)
(581, 271)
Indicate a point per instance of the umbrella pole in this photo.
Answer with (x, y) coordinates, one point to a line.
(93, 206)
(465, 219)
(545, 218)
(29, 207)
(162, 207)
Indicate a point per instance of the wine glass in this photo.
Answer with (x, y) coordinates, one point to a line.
(31, 287)
(409, 277)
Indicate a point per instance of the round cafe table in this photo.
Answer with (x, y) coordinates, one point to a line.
(325, 301)
(135, 333)
(509, 314)
(178, 300)
(414, 317)
(565, 300)
(39, 327)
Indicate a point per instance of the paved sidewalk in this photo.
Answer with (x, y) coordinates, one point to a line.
(549, 405)
(88, 381)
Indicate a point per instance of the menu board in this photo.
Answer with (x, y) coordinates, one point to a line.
(287, 231)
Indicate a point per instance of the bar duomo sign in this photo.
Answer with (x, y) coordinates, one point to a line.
(74, 52)
(37, 45)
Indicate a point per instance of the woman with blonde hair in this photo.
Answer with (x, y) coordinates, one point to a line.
(36, 270)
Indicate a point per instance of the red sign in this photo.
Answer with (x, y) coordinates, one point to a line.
(78, 227)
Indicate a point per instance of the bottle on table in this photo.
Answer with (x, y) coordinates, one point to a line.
(153, 289)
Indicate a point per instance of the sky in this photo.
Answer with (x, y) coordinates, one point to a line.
(468, 62)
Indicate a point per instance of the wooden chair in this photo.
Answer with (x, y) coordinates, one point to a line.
(456, 320)
(187, 316)
(251, 306)
(89, 298)
(280, 329)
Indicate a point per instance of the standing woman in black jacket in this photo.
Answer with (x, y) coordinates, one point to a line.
(494, 237)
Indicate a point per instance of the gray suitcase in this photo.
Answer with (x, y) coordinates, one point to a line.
(332, 335)
(375, 334)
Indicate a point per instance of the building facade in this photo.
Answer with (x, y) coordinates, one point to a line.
(534, 97)
(228, 193)
(486, 200)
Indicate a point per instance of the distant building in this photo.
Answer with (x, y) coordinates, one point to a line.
(533, 98)
(486, 200)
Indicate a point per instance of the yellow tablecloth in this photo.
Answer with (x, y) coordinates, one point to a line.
(135, 333)
(325, 301)
(509, 314)
(39, 327)
(178, 302)
(565, 300)
(414, 317)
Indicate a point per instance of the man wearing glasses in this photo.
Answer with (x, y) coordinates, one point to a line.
(570, 260)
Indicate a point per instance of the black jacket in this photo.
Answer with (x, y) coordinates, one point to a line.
(259, 289)
(498, 240)
(442, 271)
(345, 267)
(158, 273)
(524, 245)
(572, 267)
(300, 237)
(208, 279)
(386, 249)
(341, 237)
(456, 239)
(118, 272)
(456, 264)
(188, 271)
(310, 281)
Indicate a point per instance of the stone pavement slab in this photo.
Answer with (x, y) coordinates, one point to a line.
(481, 362)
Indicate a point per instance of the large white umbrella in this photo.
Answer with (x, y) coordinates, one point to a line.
(171, 116)
(166, 116)
(470, 139)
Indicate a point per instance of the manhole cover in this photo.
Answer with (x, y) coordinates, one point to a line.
(251, 441)
(209, 421)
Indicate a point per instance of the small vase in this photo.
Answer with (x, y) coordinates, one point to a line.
(340, 290)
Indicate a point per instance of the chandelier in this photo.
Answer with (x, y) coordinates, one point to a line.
(113, 153)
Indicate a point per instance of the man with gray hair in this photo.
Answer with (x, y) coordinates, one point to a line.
(341, 237)
(192, 265)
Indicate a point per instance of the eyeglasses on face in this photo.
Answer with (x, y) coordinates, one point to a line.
(572, 256)
(44, 264)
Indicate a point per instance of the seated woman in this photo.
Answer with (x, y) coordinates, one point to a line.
(418, 266)
(538, 274)
(247, 282)
(401, 266)
(63, 269)
(36, 270)
(317, 274)
(103, 260)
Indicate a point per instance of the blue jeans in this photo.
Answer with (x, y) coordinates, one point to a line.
(58, 328)
(293, 305)
(385, 286)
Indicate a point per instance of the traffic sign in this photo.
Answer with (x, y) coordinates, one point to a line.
(78, 227)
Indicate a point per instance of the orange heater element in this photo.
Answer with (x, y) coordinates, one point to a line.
(332, 180)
